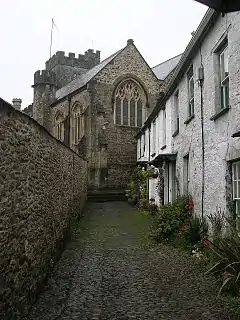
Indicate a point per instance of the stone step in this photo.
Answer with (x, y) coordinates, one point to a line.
(106, 195)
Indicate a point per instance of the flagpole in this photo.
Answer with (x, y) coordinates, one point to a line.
(51, 39)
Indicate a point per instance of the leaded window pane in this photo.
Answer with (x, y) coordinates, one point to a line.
(118, 111)
(132, 113)
(125, 112)
(129, 100)
(139, 113)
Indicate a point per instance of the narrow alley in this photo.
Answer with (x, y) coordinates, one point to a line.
(110, 270)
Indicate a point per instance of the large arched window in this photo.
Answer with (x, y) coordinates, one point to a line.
(59, 126)
(77, 123)
(129, 104)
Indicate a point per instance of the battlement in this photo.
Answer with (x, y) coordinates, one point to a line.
(86, 61)
(44, 77)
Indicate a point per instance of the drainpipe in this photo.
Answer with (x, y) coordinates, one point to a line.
(201, 80)
(149, 148)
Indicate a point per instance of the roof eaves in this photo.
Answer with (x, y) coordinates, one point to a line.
(194, 44)
(68, 95)
(204, 26)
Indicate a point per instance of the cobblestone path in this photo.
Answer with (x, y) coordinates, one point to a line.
(110, 271)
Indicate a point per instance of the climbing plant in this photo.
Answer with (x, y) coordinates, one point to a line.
(138, 185)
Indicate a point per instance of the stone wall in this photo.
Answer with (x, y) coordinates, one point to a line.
(110, 148)
(118, 156)
(43, 188)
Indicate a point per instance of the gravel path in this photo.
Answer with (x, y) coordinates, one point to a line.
(110, 271)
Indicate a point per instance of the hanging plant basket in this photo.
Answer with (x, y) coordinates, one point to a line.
(153, 175)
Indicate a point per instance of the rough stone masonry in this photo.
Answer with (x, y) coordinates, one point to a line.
(43, 186)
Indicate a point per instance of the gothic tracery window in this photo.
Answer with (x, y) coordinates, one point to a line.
(129, 104)
(59, 126)
(77, 124)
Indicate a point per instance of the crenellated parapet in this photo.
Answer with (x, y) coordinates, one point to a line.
(44, 77)
(86, 61)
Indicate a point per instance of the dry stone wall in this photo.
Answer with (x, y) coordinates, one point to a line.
(43, 187)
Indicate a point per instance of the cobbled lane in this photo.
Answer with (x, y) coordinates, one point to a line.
(109, 270)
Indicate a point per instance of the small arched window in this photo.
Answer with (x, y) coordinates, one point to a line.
(129, 104)
(59, 126)
(77, 123)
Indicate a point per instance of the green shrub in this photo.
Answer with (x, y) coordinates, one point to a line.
(138, 184)
(170, 217)
(131, 188)
(153, 209)
(144, 204)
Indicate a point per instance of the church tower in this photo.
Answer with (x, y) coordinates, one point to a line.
(44, 94)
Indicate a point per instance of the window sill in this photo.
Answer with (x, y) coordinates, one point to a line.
(219, 114)
(126, 126)
(152, 155)
(164, 147)
(189, 119)
(175, 133)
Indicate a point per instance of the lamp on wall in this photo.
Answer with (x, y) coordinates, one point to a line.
(223, 6)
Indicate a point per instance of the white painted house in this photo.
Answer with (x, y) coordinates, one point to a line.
(195, 127)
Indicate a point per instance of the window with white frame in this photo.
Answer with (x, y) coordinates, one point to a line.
(143, 145)
(176, 111)
(236, 190)
(154, 137)
(139, 148)
(190, 92)
(164, 127)
(224, 77)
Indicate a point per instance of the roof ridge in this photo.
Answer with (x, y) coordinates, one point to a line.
(168, 60)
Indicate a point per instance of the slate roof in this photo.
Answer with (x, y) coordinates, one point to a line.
(84, 78)
(163, 69)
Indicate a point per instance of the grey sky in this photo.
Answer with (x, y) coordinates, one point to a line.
(160, 29)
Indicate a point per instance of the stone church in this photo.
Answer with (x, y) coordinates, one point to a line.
(96, 108)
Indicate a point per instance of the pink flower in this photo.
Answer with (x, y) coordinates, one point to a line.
(180, 234)
(205, 243)
(190, 205)
(184, 227)
(225, 275)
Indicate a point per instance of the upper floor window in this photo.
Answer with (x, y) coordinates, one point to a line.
(190, 93)
(129, 104)
(77, 124)
(224, 78)
(154, 137)
(176, 111)
(164, 126)
(59, 126)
